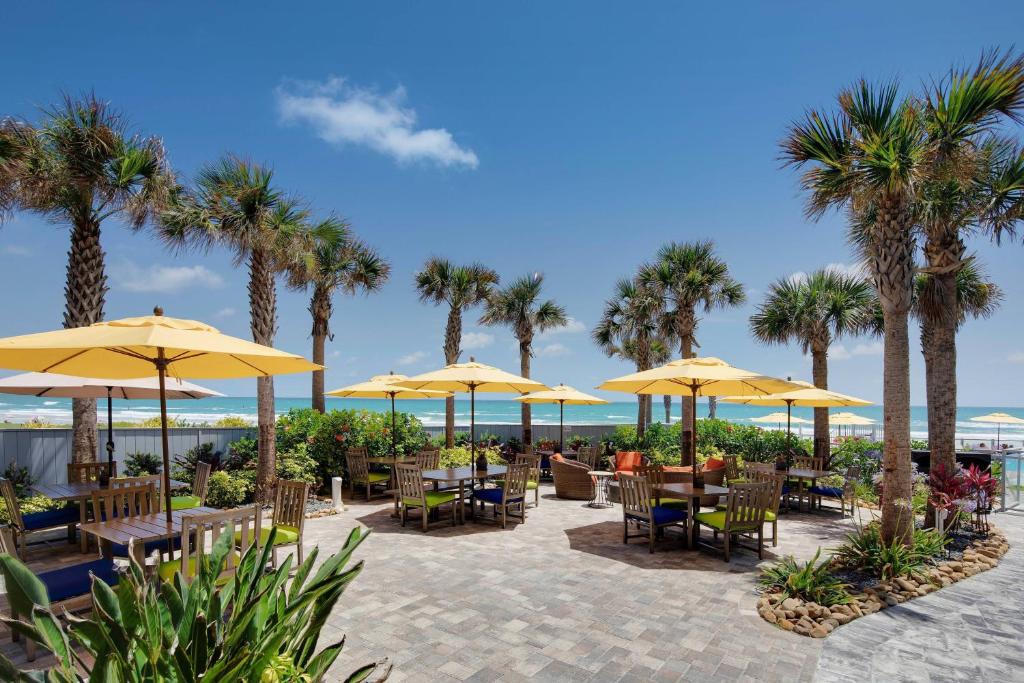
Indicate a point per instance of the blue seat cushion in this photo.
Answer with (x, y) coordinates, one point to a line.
(827, 491)
(786, 488)
(490, 495)
(69, 582)
(667, 515)
(50, 518)
(121, 549)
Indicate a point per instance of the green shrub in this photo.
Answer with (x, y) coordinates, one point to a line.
(21, 479)
(242, 454)
(661, 443)
(28, 505)
(156, 423)
(232, 421)
(139, 464)
(575, 441)
(811, 582)
(226, 490)
(260, 627)
(297, 465)
(184, 467)
(461, 456)
(853, 452)
(865, 550)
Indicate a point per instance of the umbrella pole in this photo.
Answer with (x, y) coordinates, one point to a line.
(392, 425)
(161, 366)
(789, 423)
(561, 425)
(693, 426)
(472, 424)
(110, 430)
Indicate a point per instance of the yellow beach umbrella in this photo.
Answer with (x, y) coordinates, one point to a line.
(999, 419)
(698, 377)
(562, 395)
(779, 418)
(849, 419)
(383, 386)
(144, 347)
(472, 377)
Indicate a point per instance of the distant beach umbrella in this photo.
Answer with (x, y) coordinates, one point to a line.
(694, 377)
(66, 386)
(148, 346)
(780, 418)
(562, 395)
(999, 419)
(384, 386)
(472, 377)
(849, 420)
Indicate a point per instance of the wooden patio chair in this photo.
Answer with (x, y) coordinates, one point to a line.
(200, 483)
(777, 480)
(359, 473)
(848, 492)
(69, 589)
(23, 525)
(588, 456)
(732, 469)
(800, 488)
(636, 494)
(413, 494)
(744, 515)
(86, 472)
(141, 480)
(123, 502)
(531, 460)
(243, 522)
(289, 518)
(655, 475)
(511, 495)
(428, 459)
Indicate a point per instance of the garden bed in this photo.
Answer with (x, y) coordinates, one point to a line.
(970, 553)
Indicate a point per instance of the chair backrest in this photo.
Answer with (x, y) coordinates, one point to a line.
(635, 492)
(358, 468)
(7, 544)
(201, 481)
(530, 460)
(245, 521)
(357, 450)
(125, 501)
(588, 456)
(808, 463)
(732, 467)
(776, 479)
(410, 483)
(850, 480)
(515, 482)
(655, 475)
(11, 500)
(749, 467)
(140, 480)
(746, 506)
(290, 503)
(428, 459)
(85, 472)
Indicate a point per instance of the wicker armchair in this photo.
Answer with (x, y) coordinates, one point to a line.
(572, 480)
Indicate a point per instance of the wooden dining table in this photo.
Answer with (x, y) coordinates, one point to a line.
(461, 475)
(811, 476)
(142, 528)
(81, 493)
(692, 495)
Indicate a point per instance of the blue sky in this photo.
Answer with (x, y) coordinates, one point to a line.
(570, 139)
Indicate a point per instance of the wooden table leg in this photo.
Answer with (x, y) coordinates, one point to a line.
(139, 553)
(692, 530)
(84, 540)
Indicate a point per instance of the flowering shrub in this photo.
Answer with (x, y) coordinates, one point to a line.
(661, 443)
(961, 492)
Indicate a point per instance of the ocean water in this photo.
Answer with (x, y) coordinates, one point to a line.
(488, 411)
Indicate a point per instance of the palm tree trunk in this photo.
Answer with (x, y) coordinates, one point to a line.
(667, 400)
(686, 435)
(712, 407)
(819, 375)
(320, 309)
(649, 412)
(263, 314)
(643, 362)
(524, 371)
(938, 345)
(84, 294)
(452, 344)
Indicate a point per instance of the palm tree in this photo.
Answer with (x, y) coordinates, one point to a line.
(628, 328)
(335, 261)
(461, 287)
(81, 166)
(976, 297)
(815, 311)
(691, 278)
(870, 158)
(519, 307)
(960, 113)
(235, 204)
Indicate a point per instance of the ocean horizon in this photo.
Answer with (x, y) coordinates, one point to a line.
(21, 409)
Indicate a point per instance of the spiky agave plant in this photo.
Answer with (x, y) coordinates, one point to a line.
(256, 627)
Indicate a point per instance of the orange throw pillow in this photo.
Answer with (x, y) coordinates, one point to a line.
(558, 457)
(627, 461)
(714, 464)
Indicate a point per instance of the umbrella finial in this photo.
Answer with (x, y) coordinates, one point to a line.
(472, 359)
(158, 310)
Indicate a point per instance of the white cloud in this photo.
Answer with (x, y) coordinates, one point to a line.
(1016, 357)
(852, 269)
(334, 354)
(412, 358)
(134, 278)
(572, 326)
(17, 250)
(225, 312)
(476, 340)
(555, 349)
(341, 113)
(840, 352)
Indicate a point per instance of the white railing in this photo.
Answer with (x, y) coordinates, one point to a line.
(1009, 479)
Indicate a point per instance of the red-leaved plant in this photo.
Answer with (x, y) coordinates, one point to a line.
(948, 488)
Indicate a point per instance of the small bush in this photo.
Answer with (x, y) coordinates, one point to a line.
(172, 422)
(228, 491)
(297, 465)
(184, 468)
(28, 505)
(575, 441)
(867, 552)
(232, 421)
(20, 478)
(139, 464)
(461, 456)
(242, 454)
(811, 582)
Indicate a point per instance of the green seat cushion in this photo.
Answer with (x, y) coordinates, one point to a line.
(166, 569)
(185, 502)
(769, 516)
(716, 519)
(530, 485)
(434, 498)
(285, 535)
(375, 478)
(675, 503)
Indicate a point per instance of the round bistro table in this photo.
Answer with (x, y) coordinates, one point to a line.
(600, 499)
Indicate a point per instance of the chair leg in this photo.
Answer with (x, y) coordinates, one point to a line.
(504, 513)
(298, 550)
(760, 542)
(625, 531)
(454, 513)
(650, 539)
(727, 536)
(273, 557)
(426, 513)
(775, 533)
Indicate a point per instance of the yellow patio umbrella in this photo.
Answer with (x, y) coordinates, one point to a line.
(694, 377)
(849, 420)
(472, 377)
(383, 386)
(147, 346)
(780, 417)
(999, 419)
(562, 395)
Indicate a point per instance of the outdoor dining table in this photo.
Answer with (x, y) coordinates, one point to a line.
(802, 474)
(143, 528)
(462, 475)
(81, 493)
(692, 495)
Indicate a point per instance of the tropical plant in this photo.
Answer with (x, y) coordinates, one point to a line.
(868, 551)
(138, 464)
(814, 311)
(81, 166)
(228, 489)
(690, 277)
(254, 628)
(20, 477)
(628, 328)
(235, 204)
(460, 287)
(232, 421)
(184, 466)
(519, 307)
(811, 581)
(336, 262)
